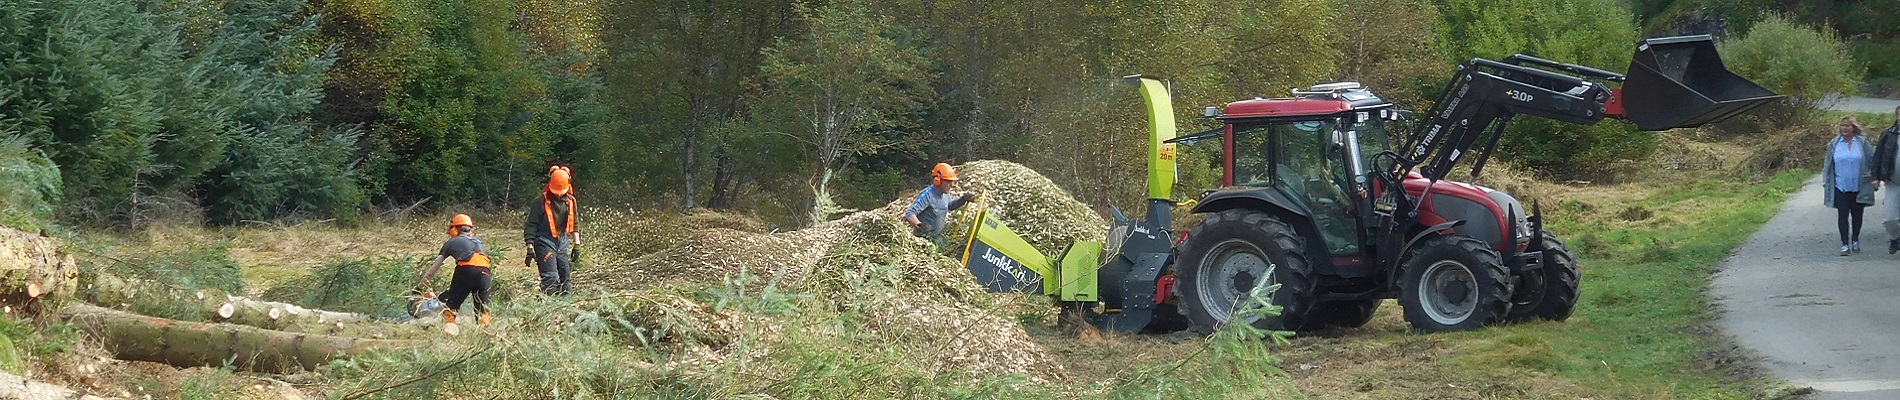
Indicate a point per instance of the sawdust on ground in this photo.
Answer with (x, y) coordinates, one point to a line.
(914, 297)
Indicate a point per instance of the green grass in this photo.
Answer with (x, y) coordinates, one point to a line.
(1640, 330)
(1639, 326)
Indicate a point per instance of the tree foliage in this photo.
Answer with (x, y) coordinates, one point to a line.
(846, 87)
(1596, 33)
(147, 104)
(33, 185)
(1801, 62)
(256, 109)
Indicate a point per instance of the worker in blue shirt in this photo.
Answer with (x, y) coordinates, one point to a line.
(926, 215)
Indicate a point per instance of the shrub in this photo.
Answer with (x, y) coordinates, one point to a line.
(1801, 62)
(190, 268)
(32, 191)
(372, 286)
(1596, 33)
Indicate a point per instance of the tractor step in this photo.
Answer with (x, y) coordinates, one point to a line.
(1375, 293)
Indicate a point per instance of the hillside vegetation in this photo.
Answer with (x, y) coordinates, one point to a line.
(259, 110)
(739, 165)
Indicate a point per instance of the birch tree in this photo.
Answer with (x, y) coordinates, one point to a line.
(843, 86)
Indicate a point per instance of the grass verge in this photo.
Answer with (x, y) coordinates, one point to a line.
(1640, 329)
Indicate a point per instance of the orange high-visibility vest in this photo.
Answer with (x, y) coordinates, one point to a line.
(547, 207)
(476, 260)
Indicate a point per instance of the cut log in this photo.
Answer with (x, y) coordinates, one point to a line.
(275, 315)
(33, 270)
(193, 344)
(15, 387)
(216, 306)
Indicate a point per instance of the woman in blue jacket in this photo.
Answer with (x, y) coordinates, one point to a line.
(1848, 181)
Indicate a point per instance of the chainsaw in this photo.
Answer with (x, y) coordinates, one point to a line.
(423, 303)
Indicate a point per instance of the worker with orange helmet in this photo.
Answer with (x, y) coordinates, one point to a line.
(926, 215)
(550, 231)
(471, 270)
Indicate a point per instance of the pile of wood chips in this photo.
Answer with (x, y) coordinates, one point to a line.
(1034, 207)
(617, 235)
(916, 297)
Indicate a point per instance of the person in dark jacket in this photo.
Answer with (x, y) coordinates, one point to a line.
(472, 277)
(1886, 166)
(550, 232)
(934, 204)
(1847, 185)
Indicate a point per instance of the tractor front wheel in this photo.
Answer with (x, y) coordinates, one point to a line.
(1551, 292)
(1454, 283)
(1234, 251)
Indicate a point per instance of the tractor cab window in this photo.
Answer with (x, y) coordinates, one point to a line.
(1373, 138)
(1290, 154)
(1299, 159)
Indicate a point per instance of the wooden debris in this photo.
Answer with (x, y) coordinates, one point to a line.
(195, 344)
(33, 270)
(217, 305)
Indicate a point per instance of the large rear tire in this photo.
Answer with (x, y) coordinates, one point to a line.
(1551, 294)
(1454, 283)
(1228, 254)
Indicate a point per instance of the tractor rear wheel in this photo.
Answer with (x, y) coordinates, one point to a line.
(1229, 254)
(1551, 293)
(1344, 314)
(1453, 283)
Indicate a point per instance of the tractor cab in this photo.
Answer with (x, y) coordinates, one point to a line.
(1313, 151)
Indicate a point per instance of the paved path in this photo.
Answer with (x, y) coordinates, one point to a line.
(1818, 319)
(1861, 104)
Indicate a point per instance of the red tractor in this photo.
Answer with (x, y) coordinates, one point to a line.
(1317, 199)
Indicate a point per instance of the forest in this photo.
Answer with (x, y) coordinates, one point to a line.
(117, 113)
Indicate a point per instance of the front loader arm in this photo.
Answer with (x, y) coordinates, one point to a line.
(1674, 82)
(1487, 94)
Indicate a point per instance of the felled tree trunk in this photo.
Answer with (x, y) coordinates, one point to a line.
(15, 387)
(215, 305)
(32, 270)
(191, 344)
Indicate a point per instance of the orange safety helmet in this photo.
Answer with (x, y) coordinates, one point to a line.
(942, 172)
(558, 180)
(460, 220)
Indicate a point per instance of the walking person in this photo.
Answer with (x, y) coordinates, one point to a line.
(550, 232)
(1886, 167)
(471, 279)
(926, 215)
(1847, 182)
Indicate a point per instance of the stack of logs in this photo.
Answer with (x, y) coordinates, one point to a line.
(38, 280)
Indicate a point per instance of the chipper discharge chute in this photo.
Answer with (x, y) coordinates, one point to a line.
(1680, 82)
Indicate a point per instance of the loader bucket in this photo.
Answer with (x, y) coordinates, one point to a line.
(1679, 82)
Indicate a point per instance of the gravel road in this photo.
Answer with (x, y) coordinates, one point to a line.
(1818, 319)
